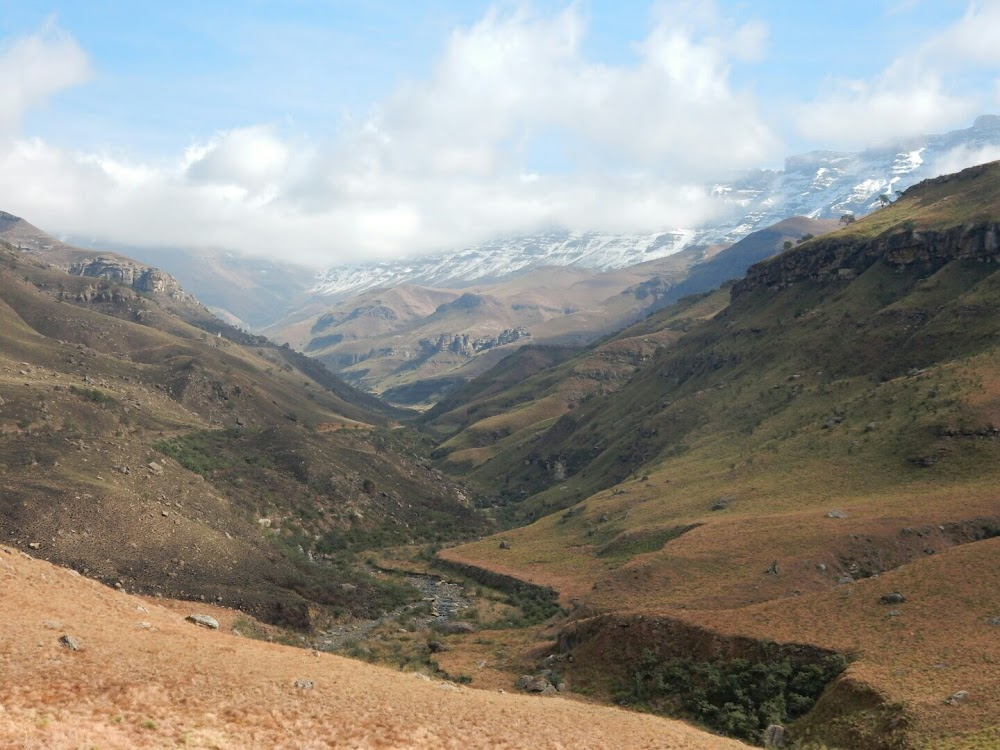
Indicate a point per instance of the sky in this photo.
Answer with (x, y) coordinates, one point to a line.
(330, 131)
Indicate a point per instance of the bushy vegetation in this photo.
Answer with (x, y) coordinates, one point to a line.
(198, 452)
(739, 697)
(94, 395)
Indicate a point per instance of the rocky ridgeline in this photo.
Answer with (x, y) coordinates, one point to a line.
(845, 258)
(122, 271)
(470, 346)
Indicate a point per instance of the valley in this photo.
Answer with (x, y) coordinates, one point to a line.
(765, 506)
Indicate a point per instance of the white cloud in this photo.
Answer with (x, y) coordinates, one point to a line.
(926, 89)
(963, 156)
(441, 162)
(33, 68)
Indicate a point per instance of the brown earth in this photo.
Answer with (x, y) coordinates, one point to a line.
(145, 678)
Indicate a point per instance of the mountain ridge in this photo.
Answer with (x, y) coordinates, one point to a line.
(818, 185)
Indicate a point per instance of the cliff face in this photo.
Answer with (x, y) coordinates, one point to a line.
(845, 258)
(138, 277)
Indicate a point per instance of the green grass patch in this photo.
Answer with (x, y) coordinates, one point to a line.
(641, 541)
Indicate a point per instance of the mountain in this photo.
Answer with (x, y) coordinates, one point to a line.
(733, 262)
(149, 445)
(795, 470)
(817, 185)
(502, 258)
(413, 344)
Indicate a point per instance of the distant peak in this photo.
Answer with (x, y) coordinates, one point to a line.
(6, 217)
(987, 122)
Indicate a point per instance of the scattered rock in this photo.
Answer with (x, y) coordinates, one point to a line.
(722, 503)
(604, 518)
(35, 545)
(454, 628)
(535, 684)
(68, 641)
(205, 621)
(994, 621)
(421, 676)
(895, 612)
(957, 699)
(772, 569)
(144, 625)
(821, 567)
(870, 427)
(436, 647)
(836, 514)
(349, 588)
(893, 597)
(774, 736)
(304, 684)
(154, 468)
(52, 624)
(504, 544)
(845, 579)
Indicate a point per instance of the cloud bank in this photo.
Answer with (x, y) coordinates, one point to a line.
(514, 129)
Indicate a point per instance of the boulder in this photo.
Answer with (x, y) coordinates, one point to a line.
(836, 514)
(774, 736)
(68, 641)
(535, 684)
(893, 597)
(205, 621)
(304, 684)
(957, 699)
(455, 628)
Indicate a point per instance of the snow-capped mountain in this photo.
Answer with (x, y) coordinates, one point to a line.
(820, 184)
(494, 260)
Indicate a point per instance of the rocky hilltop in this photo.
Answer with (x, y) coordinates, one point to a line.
(124, 271)
(910, 233)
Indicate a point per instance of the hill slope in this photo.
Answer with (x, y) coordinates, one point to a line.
(144, 678)
(143, 441)
(825, 439)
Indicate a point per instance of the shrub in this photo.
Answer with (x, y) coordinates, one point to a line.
(739, 697)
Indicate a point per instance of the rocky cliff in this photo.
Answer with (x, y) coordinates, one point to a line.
(123, 271)
(926, 228)
(836, 258)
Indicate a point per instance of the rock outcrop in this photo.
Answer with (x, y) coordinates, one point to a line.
(123, 271)
(470, 346)
(838, 258)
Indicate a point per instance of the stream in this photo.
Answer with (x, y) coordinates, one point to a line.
(447, 600)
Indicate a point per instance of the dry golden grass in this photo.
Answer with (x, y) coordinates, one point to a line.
(172, 684)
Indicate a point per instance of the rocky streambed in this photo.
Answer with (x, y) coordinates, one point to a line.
(444, 602)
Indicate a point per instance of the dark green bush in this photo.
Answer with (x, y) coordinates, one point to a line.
(739, 697)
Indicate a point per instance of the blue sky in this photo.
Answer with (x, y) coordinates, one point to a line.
(352, 129)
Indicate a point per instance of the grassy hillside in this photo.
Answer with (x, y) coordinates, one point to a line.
(827, 438)
(144, 678)
(150, 446)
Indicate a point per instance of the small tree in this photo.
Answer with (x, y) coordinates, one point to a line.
(884, 199)
(787, 245)
(847, 219)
